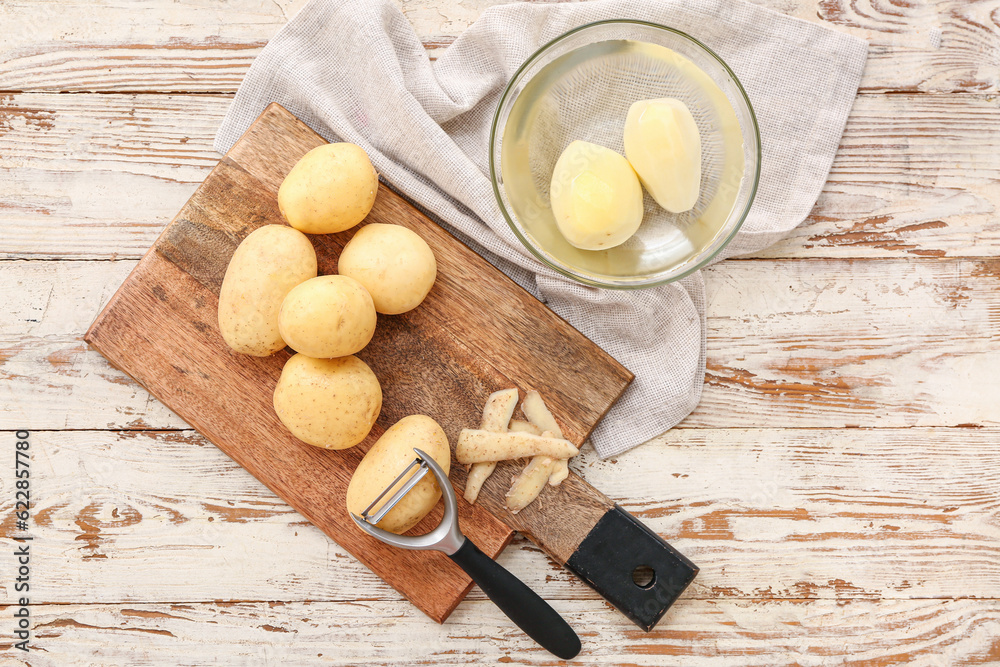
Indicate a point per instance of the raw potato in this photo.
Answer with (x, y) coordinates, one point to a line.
(265, 267)
(538, 414)
(476, 445)
(496, 414)
(387, 459)
(529, 483)
(596, 197)
(663, 145)
(394, 264)
(329, 403)
(328, 316)
(332, 188)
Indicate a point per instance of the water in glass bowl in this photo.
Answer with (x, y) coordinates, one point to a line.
(585, 94)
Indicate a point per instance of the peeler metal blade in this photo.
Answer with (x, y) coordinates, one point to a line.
(389, 504)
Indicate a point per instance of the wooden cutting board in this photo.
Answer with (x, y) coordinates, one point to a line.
(476, 332)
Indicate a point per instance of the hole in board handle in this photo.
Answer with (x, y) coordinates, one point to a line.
(643, 576)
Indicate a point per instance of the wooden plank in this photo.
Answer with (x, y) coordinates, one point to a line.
(766, 514)
(953, 632)
(98, 176)
(913, 177)
(48, 375)
(790, 343)
(888, 343)
(161, 328)
(936, 46)
(122, 173)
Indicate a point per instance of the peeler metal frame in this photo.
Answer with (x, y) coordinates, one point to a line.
(446, 538)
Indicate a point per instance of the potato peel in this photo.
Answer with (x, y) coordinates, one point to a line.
(475, 445)
(497, 412)
(540, 416)
(529, 483)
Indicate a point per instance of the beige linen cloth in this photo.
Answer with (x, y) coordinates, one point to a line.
(356, 71)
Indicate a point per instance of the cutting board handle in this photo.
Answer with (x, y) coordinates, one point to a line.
(616, 550)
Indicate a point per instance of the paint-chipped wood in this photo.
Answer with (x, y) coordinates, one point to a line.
(889, 343)
(937, 46)
(99, 176)
(840, 514)
(819, 545)
(695, 632)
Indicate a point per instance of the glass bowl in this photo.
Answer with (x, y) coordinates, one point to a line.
(580, 86)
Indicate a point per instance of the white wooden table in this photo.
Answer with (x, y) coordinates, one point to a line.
(839, 484)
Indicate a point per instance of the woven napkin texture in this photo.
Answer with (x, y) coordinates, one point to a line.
(356, 71)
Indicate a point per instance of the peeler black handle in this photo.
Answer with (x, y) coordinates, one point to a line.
(521, 604)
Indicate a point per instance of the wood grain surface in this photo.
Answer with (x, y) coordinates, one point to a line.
(916, 175)
(824, 343)
(894, 524)
(85, 45)
(695, 631)
(837, 485)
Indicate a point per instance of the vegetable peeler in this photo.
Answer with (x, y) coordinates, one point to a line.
(521, 604)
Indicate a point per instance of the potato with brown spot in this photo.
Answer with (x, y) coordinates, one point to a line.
(328, 403)
(387, 459)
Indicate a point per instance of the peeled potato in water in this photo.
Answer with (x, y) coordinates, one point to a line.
(663, 145)
(595, 196)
